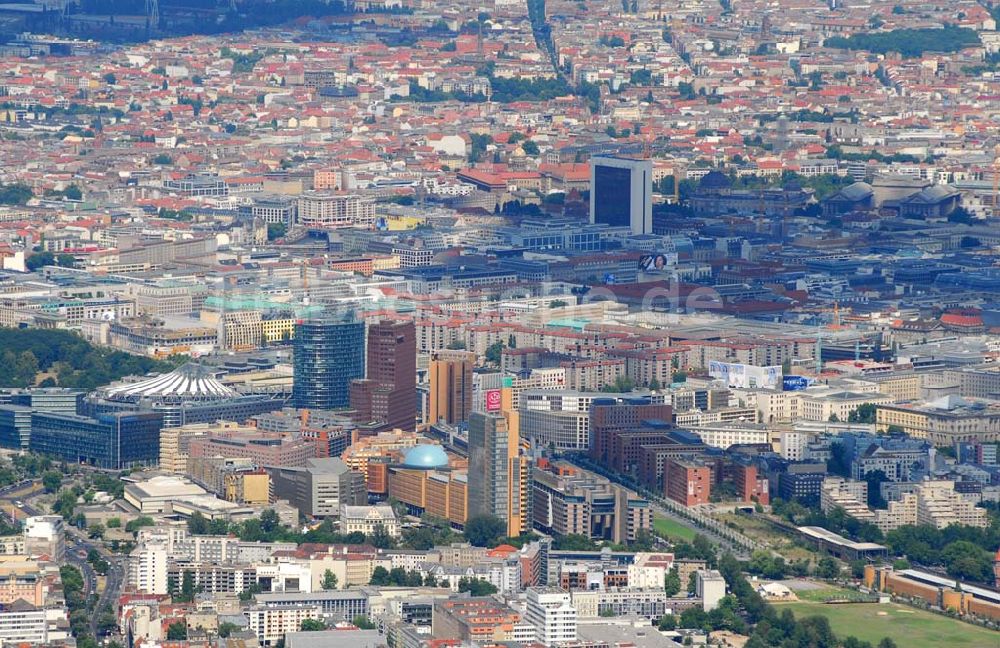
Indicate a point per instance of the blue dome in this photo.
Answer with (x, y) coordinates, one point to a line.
(425, 456)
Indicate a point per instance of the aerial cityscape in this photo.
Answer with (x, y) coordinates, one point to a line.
(500, 324)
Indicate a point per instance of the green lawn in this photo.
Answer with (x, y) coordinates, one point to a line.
(908, 627)
(671, 529)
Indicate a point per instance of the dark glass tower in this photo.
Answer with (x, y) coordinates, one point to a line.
(328, 354)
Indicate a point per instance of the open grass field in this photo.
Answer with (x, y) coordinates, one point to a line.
(672, 530)
(908, 627)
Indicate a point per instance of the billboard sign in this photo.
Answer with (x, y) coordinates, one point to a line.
(795, 383)
(493, 400)
(744, 376)
(657, 262)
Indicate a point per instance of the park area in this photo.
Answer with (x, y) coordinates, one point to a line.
(907, 627)
(671, 529)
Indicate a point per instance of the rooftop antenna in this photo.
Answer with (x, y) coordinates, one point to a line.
(152, 13)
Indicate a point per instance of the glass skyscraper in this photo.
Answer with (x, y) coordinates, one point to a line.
(327, 355)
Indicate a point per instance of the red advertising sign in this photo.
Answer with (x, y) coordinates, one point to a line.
(493, 400)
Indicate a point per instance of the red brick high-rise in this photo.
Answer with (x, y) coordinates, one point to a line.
(610, 418)
(388, 396)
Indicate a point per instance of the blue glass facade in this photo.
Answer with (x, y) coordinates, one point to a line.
(327, 356)
(114, 441)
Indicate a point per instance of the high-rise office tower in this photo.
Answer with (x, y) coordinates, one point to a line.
(450, 379)
(327, 355)
(388, 397)
(498, 473)
(621, 193)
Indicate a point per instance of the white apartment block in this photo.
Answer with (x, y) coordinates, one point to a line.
(272, 623)
(852, 496)
(148, 569)
(551, 612)
(710, 587)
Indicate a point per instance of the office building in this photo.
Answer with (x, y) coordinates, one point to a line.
(319, 488)
(387, 398)
(111, 441)
(15, 426)
(609, 416)
(480, 620)
(687, 481)
(261, 448)
(500, 486)
(425, 483)
(621, 191)
(327, 355)
(272, 208)
(566, 500)
(17, 405)
(450, 380)
(335, 210)
(551, 611)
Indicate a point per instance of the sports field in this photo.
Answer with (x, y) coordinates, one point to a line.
(671, 529)
(908, 627)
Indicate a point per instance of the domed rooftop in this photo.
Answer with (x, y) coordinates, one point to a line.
(425, 456)
(188, 382)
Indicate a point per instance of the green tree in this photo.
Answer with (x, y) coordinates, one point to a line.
(380, 576)
(249, 592)
(65, 504)
(138, 523)
(362, 622)
(226, 628)
(827, 568)
(40, 260)
(52, 481)
(329, 580)
(312, 625)
(672, 582)
(494, 352)
(476, 586)
(15, 194)
(177, 631)
(276, 231)
(380, 538)
(484, 530)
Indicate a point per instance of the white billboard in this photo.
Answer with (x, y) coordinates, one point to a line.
(745, 376)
